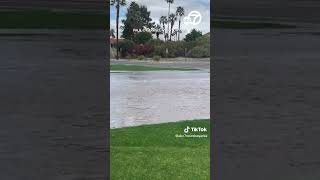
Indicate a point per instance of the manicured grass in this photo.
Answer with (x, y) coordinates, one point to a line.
(125, 67)
(248, 25)
(153, 152)
(48, 19)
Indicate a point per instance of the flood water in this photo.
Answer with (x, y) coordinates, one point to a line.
(138, 98)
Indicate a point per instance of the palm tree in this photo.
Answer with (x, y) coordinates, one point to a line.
(169, 2)
(117, 3)
(176, 33)
(180, 13)
(158, 30)
(163, 20)
(172, 20)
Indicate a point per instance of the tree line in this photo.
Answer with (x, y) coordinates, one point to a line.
(138, 26)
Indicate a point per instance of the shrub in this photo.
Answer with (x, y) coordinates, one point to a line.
(160, 51)
(141, 57)
(203, 40)
(200, 51)
(156, 58)
(132, 56)
(142, 37)
(155, 42)
(124, 46)
(176, 49)
(193, 35)
(141, 49)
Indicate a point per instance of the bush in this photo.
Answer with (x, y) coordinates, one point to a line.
(132, 56)
(199, 48)
(124, 46)
(141, 57)
(175, 49)
(141, 50)
(200, 51)
(203, 40)
(156, 58)
(155, 42)
(193, 35)
(142, 37)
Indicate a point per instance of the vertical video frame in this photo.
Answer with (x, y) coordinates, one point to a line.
(159, 89)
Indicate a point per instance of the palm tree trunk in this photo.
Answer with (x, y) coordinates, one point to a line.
(179, 29)
(164, 32)
(171, 31)
(168, 22)
(117, 24)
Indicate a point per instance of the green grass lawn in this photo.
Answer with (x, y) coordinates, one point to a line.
(48, 19)
(153, 152)
(125, 67)
(248, 25)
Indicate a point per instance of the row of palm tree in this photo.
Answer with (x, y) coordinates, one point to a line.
(170, 21)
(164, 20)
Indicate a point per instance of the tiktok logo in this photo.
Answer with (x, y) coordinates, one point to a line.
(186, 130)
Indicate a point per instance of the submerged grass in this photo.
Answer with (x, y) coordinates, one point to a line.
(126, 67)
(153, 152)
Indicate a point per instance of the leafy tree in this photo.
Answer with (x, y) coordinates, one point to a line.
(180, 13)
(118, 3)
(132, 21)
(163, 20)
(137, 18)
(145, 18)
(193, 35)
(172, 20)
(143, 37)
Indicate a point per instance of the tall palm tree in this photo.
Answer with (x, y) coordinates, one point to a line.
(158, 30)
(180, 13)
(163, 21)
(176, 33)
(117, 3)
(169, 2)
(172, 20)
